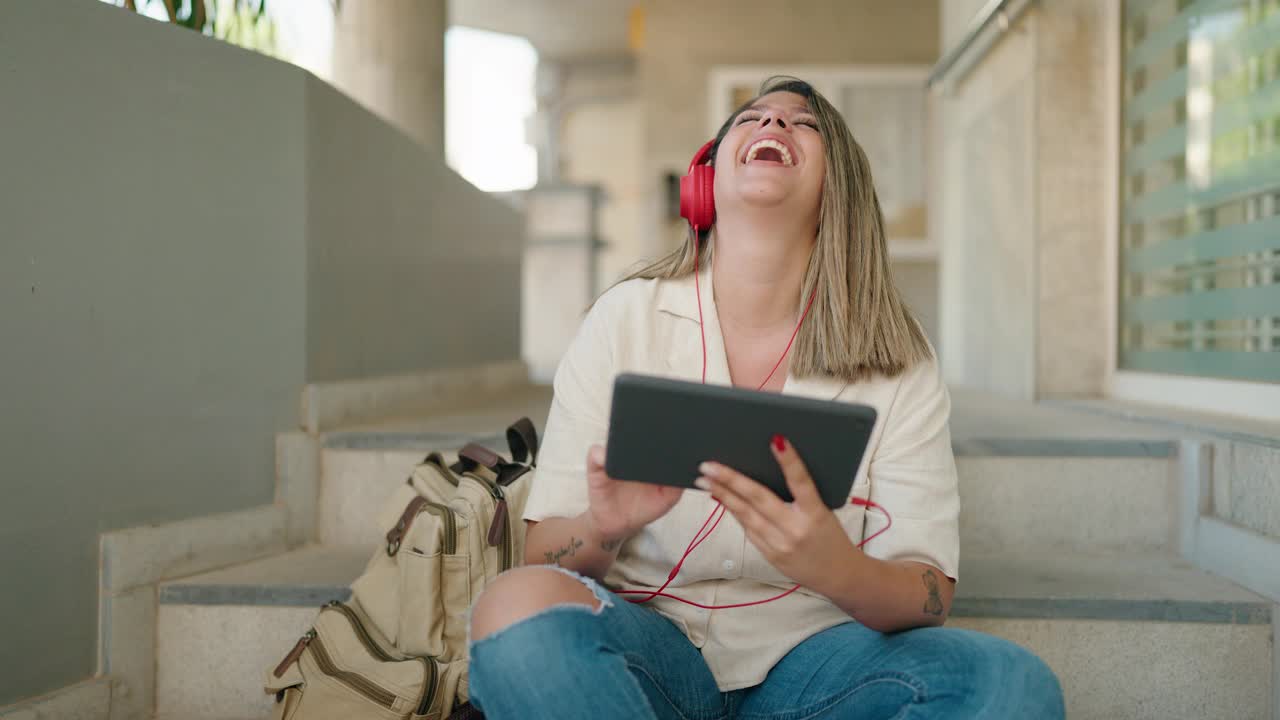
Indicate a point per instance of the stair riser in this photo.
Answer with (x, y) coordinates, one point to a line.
(1067, 504)
(212, 660)
(354, 486)
(1111, 669)
(1078, 503)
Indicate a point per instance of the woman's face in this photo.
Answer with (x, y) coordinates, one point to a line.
(773, 157)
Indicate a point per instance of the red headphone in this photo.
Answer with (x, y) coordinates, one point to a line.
(697, 190)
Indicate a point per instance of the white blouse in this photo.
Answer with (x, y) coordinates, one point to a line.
(651, 327)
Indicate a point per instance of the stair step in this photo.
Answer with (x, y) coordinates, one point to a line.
(1071, 502)
(219, 631)
(1133, 586)
(1031, 476)
(361, 466)
(1138, 635)
(1134, 635)
(307, 577)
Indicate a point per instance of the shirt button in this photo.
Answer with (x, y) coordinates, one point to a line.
(728, 564)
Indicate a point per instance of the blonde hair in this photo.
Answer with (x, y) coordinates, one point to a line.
(859, 325)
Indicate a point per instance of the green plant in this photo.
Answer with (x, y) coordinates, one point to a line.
(240, 22)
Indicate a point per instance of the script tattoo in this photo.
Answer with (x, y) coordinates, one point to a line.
(610, 545)
(932, 605)
(553, 556)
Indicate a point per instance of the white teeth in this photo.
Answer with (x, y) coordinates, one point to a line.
(768, 143)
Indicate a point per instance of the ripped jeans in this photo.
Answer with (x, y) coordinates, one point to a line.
(627, 661)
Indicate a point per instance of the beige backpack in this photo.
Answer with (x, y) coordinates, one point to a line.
(398, 648)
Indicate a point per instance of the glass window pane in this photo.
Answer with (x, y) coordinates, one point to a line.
(1200, 196)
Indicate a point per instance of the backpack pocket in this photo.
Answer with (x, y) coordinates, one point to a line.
(421, 620)
(338, 670)
(403, 587)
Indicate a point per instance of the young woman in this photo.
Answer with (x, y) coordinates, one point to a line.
(788, 290)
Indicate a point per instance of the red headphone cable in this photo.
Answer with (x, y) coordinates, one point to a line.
(720, 509)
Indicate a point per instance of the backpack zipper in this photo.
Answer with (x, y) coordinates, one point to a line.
(433, 680)
(499, 530)
(361, 633)
(450, 543)
(295, 653)
(357, 683)
(431, 671)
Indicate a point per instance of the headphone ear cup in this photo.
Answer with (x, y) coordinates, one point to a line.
(697, 196)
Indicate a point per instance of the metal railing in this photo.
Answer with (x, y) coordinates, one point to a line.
(987, 26)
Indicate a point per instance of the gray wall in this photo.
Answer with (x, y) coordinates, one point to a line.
(188, 233)
(441, 289)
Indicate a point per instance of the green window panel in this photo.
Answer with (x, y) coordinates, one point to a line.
(1200, 201)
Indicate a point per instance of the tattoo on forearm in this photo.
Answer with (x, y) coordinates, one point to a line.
(553, 556)
(610, 545)
(932, 604)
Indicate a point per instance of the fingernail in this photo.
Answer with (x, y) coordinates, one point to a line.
(702, 483)
(779, 443)
(707, 468)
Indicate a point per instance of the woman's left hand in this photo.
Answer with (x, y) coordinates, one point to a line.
(802, 539)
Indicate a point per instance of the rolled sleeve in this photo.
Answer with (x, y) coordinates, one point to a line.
(913, 476)
(578, 419)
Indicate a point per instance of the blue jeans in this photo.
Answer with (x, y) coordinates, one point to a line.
(627, 661)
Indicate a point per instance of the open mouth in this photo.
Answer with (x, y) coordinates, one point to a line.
(770, 152)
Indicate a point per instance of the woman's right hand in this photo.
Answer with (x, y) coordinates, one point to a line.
(620, 508)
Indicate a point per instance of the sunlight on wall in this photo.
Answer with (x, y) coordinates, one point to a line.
(489, 96)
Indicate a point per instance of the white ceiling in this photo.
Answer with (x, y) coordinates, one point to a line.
(557, 28)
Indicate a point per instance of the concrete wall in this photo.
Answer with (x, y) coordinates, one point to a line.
(1074, 176)
(177, 235)
(983, 220)
(409, 265)
(1019, 206)
(683, 40)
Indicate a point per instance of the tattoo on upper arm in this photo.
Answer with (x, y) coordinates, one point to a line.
(610, 545)
(553, 556)
(932, 604)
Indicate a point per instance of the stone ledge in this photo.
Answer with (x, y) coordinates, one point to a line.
(1064, 447)
(138, 556)
(1176, 611)
(330, 405)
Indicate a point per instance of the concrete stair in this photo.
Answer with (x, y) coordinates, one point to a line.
(1068, 529)
(1134, 635)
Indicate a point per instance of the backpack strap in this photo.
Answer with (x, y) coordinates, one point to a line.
(436, 461)
(522, 438)
(472, 455)
(479, 455)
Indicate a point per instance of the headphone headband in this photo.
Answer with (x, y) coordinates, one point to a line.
(702, 156)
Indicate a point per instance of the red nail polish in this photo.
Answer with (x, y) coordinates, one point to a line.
(779, 443)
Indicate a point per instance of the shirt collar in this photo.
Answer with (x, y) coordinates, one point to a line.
(678, 297)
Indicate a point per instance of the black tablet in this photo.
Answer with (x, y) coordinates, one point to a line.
(660, 430)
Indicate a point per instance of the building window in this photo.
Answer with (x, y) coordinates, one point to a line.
(1200, 192)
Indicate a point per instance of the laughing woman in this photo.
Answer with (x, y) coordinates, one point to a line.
(785, 282)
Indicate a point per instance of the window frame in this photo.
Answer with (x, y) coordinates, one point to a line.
(1256, 400)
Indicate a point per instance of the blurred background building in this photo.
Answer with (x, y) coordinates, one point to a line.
(252, 250)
